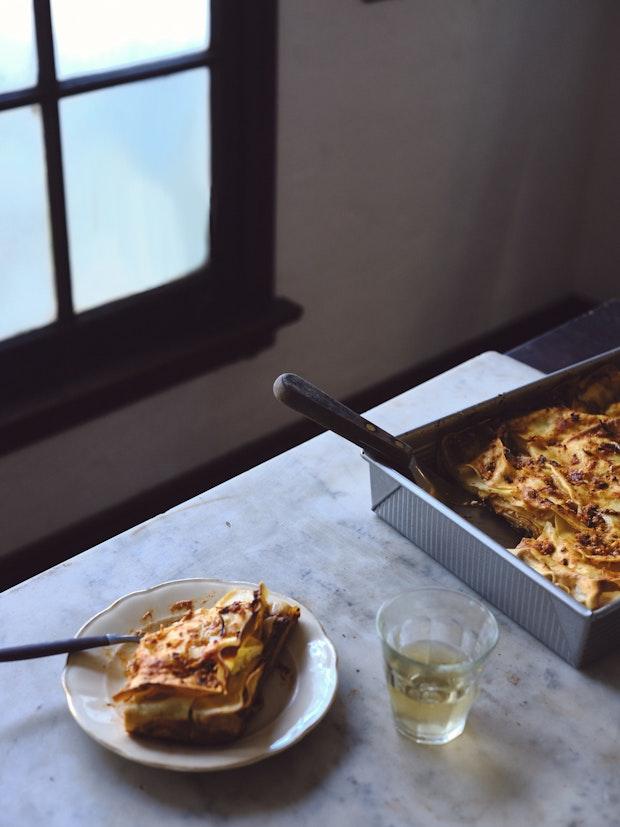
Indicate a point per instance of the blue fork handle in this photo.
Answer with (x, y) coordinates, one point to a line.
(57, 647)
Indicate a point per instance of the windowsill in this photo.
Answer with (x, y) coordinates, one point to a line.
(30, 414)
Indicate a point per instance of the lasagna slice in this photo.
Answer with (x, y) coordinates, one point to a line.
(554, 474)
(198, 679)
(564, 557)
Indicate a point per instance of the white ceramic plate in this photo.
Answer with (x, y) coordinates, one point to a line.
(296, 695)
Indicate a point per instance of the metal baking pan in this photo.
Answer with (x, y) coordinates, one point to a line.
(476, 550)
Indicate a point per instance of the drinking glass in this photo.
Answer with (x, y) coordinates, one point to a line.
(435, 644)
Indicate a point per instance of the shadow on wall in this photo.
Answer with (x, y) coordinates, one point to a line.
(521, 212)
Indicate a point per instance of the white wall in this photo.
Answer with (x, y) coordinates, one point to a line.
(597, 267)
(431, 158)
(432, 162)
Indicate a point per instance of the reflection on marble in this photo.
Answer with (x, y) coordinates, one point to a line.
(541, 744)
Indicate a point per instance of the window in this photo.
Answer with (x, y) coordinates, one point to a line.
(136, 208)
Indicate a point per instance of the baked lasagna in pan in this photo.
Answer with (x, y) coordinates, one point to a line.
(554, 475)
(198, 679)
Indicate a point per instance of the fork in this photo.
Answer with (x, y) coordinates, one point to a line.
(57, 647)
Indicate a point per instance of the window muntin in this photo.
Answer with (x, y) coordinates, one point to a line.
(126, 165)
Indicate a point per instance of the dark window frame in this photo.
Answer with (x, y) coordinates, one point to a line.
(85, 364)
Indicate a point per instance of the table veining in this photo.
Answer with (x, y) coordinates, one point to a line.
(541, 745)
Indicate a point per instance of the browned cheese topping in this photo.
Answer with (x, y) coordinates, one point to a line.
(554, 474)
(197, 679)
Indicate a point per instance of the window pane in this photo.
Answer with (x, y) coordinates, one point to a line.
(18, 61)
(137, 171)
(96, 35)
(27, 298)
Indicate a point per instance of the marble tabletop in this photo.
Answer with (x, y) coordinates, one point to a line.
(541, 745)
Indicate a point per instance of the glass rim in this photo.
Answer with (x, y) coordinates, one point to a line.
(441, 667)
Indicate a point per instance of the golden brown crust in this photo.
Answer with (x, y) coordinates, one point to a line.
(554, 474)
(197, 679)
(559, 554)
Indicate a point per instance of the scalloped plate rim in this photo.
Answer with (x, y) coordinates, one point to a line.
(165, 761)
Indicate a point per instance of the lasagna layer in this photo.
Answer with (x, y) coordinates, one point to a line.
(554, 474)
(197, 679)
